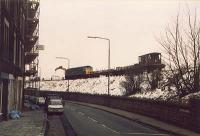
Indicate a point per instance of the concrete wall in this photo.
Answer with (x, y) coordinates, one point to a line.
(1, 92)
(186, 116)
(10, 96)
(15, 95)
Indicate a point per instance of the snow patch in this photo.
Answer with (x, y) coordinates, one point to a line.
(89, 85)
(100, 86)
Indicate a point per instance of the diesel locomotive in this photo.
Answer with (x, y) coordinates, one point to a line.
(78, 72)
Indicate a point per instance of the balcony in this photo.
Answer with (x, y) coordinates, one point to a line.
(30, 42)
(33, 13)
(32, 23)
(31, 72)
(29, 57)
(33, 5)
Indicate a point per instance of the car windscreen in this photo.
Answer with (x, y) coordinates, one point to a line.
(55, 102)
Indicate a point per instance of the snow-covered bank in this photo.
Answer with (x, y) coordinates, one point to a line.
(156, 94)
(165, 95)
(99, 86)
(90, 85)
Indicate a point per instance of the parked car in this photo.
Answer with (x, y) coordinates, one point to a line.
(40, 101)
(55, 106)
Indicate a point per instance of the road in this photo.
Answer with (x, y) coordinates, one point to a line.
(88, 121)
(55, 126)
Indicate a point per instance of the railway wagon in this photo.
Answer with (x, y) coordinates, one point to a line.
(150, 59)
(77, 72)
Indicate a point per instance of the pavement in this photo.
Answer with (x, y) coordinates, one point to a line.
(143, 119)
(31, 123)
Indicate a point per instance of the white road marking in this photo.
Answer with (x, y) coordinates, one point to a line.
(110, 128)
(146, 134)
(92, 119)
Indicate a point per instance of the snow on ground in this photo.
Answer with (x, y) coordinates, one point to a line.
(90, 85)
(156, 94)
(192, 95)
(165, 95)
(100, 86)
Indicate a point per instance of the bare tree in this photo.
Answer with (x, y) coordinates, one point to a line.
(153, 79)
(132, 83)
(181, 43)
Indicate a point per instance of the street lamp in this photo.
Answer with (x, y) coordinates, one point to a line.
(68, 66)
(40, 77)
(95, 37)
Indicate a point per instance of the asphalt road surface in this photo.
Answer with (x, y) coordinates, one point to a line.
(55, 126)
(88, 121)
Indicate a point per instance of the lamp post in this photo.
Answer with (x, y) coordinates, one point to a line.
(40, 77)
(95, 37)
(68, 66)
(39, 47)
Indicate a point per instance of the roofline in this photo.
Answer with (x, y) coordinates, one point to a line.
(150, 53)
(80, 67)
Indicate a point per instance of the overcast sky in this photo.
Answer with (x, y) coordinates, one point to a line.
(131, 25)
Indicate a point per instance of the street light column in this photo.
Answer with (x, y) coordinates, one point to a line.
(108, 67)
(68, 79)
(94, 37)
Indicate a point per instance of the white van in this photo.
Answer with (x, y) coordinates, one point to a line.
(55, 106)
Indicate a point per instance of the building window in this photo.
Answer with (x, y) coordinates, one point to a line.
(23, 26)
(0, 12)
(0, 31)
(1, 90)
(7, 4)
(6, 39)
(15, 7)
(20, 54)
(21, 20)
(22, 57)
(15, 48)
(17, 53)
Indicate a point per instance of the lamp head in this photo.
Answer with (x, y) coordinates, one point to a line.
(92, 37)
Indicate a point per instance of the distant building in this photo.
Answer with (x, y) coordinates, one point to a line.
(15, 51)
